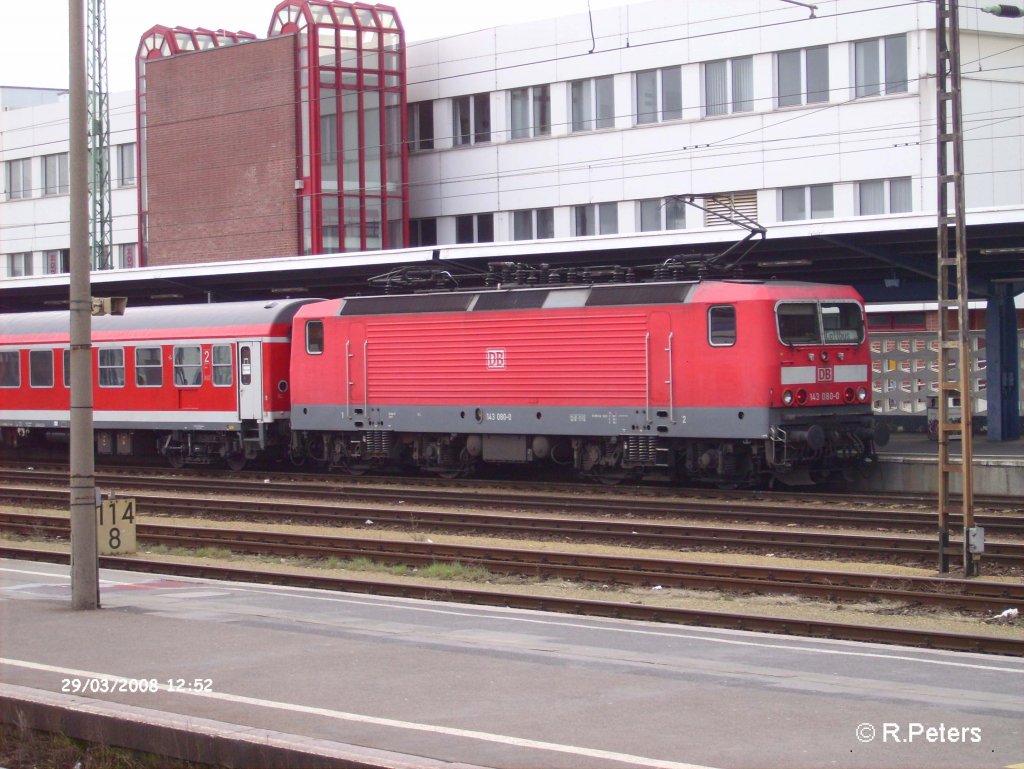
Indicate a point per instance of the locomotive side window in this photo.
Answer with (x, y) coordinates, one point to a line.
(222, 365)
(314, 337)
(188, 366)
(722, 326)
(798, 323)
(111, 367)
(149, 371)
(10, 369)
(40, 368)
(842, 322)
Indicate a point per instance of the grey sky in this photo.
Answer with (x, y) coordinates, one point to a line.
(33, 35)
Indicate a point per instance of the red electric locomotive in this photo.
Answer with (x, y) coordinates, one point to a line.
(193, 383)
(730, 382)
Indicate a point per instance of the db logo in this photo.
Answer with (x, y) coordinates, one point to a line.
(825, 374)
(496, 358)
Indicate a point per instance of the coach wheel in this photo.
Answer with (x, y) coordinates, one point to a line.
(176, 459)
(235, 462)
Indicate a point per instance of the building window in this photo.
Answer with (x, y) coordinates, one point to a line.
(530, 111)
(474, 228)
(533, 224)
(595, 219)
(592, 103)
(221, 354)
(659, 95)
(111, 367)
(57, 262)
(872, 58)
(802, 76)
(19, 265)
(55, 174)
(126, 165)
(729, 86)
(661, 214)
(797, 201)
(882, 196)
(10, 368)
(126, 254)
(18, 176)
(40, 368)
(722, 326)
(149, 370)
(188, 366)
(471, 119)
(421, 126)
(423, 232)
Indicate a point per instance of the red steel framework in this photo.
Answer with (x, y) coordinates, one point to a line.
(352, 168)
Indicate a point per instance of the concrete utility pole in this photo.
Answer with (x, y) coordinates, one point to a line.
(85, 585)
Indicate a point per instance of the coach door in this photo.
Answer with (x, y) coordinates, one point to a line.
(250, 381)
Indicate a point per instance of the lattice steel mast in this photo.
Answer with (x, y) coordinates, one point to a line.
(954, 353)
(100, 219)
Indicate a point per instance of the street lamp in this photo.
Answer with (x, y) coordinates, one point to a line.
(1004, 10)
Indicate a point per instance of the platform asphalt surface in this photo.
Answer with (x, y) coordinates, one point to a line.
(417, 684)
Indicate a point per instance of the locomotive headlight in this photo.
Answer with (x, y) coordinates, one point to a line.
(862, 394)
(801, 397)
(848, 395)
(787, 398)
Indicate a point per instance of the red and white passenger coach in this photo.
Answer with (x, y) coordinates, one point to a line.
(195, 383)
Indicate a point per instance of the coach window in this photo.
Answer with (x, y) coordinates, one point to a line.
(222, 365)
(149, 370)
(188, 367)
(314, 337)
(40, 368)
(722, 326)
(111, 367)
(10, 369)
(67, 367)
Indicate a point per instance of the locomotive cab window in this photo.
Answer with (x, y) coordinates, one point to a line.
(10, 369)
(314, 337)
(839, 322)
(842, 323)
(111, 367)
(188, 366)
(222, 365)
(149, 370)
(722, 326)
(40, 368)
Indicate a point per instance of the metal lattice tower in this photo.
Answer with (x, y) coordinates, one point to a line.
(954, 351)
(100, 220)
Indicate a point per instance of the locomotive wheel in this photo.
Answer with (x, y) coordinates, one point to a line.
(175, 459)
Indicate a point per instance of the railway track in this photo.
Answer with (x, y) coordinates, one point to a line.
(964, 595)
(864, 546)
(804, 510)
(811, 628)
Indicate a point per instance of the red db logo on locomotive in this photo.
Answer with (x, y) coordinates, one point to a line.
(496, 358)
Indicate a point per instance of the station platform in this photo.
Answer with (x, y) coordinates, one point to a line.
(251, 675)
(909, 462)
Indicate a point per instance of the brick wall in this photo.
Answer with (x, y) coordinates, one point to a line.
(222, 154)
